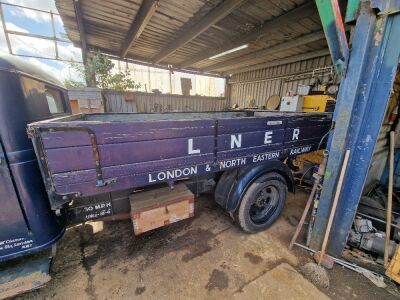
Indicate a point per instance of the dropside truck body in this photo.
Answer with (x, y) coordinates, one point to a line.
(83, 156)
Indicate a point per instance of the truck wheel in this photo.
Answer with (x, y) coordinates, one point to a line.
(262, 203)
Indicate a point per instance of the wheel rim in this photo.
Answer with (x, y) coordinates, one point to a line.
(264, 205)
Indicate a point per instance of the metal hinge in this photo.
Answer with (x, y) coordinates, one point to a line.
(32, 133)
(105, 182)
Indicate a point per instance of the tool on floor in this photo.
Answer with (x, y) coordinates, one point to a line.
(375, 278)
(390, 199)
(320, 257)
(317, 180)
(313, 215)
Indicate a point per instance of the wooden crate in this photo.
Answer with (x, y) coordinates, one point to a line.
(161, 207)
(393, 269)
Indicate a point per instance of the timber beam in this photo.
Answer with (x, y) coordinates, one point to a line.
(262, 54)
(146, 11)
(268, 28)
(216, 15)
(278, 62)
(81, 29)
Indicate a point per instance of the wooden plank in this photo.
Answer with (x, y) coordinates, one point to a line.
(118, 132)
(87, 176)
(142, 201)
(206, 22)
(146, 12)
(160, 207)
(81, 158)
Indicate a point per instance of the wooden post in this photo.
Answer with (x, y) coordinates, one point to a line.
(390, 200)
(334, 206)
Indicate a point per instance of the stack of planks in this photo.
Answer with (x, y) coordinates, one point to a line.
(160, 207)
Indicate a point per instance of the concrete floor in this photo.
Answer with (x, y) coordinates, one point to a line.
(205, 257)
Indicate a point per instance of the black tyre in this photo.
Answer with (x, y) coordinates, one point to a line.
(262, 203)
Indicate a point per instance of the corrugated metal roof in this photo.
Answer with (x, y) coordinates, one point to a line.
(107, 23)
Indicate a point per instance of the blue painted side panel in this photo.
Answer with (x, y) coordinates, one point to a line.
(134, 154)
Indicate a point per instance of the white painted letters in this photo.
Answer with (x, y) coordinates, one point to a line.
(190, 148)
(173, 174)
(151, 179)
(296, 133)
(266, 156)
(236, 141)
(232, 163)
(268, 138)
(300, 150)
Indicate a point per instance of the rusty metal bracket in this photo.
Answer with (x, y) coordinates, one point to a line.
(57, 199)
(100, 182)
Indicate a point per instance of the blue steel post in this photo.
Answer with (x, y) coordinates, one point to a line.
(363, 97)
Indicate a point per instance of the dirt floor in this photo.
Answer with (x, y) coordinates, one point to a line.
(205, 257)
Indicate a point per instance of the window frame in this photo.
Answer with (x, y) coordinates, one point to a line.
(57, 88)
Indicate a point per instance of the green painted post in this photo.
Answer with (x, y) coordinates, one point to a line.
(353, 6)
(332, 22)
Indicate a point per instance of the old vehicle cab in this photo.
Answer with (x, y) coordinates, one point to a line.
(27, 224)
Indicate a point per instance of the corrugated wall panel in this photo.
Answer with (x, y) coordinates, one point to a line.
(261, 84)
(146, 102)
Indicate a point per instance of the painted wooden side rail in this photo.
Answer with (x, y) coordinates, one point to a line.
(86, 155)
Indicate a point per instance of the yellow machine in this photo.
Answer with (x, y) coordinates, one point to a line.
(318, 103)
(315, 103)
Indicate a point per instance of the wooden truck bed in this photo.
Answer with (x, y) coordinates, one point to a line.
(86, 155)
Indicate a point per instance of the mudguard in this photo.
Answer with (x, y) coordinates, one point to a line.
(234, 183)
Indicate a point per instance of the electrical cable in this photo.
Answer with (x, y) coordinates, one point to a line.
(305, 173)
(322, 139)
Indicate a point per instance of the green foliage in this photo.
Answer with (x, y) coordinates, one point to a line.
(98, 73)
(70, 83)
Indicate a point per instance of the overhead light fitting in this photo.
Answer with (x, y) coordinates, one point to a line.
(229, 51)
